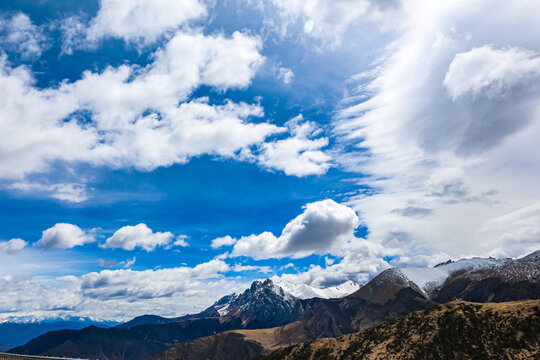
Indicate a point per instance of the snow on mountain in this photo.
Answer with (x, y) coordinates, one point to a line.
(428, 279)
(303, 291)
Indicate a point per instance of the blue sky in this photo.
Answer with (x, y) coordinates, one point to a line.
(319, 141)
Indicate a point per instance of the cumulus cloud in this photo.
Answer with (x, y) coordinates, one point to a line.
(12, 246)
(141, 20)
(447, 122)
(141, 236)
(136, 120)
(181, 241)
(64, 236)
(20, 35)
(119, 294)
(147, 284)
(361, 261)
(140, 116)
(324, 226)
(301, 154)
(223, 241)
(491, 72)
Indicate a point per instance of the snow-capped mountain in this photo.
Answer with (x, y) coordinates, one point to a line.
(263, 304)
(476, 279)
(429, 279)
(276, 290)
(304, 291)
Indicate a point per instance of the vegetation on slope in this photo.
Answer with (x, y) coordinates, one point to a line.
(457, 330)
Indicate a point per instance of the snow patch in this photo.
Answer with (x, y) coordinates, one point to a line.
(304, 291)
(428, 279)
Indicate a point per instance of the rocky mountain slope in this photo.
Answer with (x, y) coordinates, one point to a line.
(230, 304)
(391, 294)
(457, 330)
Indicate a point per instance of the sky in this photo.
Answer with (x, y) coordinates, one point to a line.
(158, 154)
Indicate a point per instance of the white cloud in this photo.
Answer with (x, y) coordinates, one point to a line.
(116, 294)
(286, 75)
(69, 192)
(141, 20)
(181, 241)
(324, 226)
(517, 232)
(330, 21)
(140, 117)
(491, 72)
(64, 236)
(300, 154)
(223, 241)
(20, 35)
(140, 235)
(261, 269)
(136, 120)
(449, 126)
(361, 261)
(12, 246)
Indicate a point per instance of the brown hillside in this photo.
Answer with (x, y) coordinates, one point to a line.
(457, 330)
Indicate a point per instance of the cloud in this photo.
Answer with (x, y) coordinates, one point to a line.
(112, 263)
(141, 20)
(331, 21)
(286, 75)
(140, 235)
(361, 261)
(517, 232)
(148, 284)
(324, 226)
(144, 117)
(12, 246)
(491, 72)
(119, 294)
(107, 263)
(446, 121)
(181, 241)
(70, 192)
(137, 116)
(300, 154)
(64, 236)
(413, 211)
(261, 269)
(20, 35)
(223, 241)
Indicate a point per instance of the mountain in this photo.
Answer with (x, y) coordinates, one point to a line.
(15, 334)
(457, 330)
(230, 303)
(263, 304)
(323, 318)
(507, 281)
(391, 294)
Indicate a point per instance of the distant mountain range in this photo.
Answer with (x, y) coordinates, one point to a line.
(15, 334)
(230, 304)
(273, 314)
